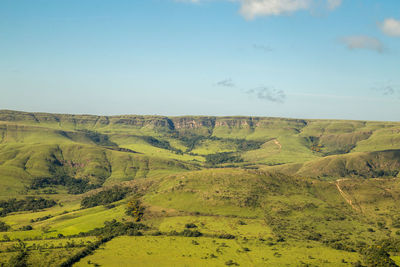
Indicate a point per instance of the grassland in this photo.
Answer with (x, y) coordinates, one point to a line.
(215, 190)
(181, 251)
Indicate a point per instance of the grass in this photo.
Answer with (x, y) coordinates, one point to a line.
(70, 223)
(218, 225)
(217, 191)
(52, 252)
(182, 251)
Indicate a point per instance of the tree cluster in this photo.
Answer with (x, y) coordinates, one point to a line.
(224, 157)
(115, 228)
(27, 204)
(74, 185)
(105, 197)
(186, 233)
(135, 209)
(42, 218)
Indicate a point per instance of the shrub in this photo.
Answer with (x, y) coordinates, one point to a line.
(41, 218)
(189, 233)
(190, 225)
(231, 262)
(26, 228)
(226, 236)
(314, 236)
(4, 227)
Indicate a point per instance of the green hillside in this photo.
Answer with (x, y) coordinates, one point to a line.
(247, 191)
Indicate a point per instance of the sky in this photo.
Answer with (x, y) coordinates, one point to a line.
(326, 59)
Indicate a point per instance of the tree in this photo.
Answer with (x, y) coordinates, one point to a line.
(135, 209)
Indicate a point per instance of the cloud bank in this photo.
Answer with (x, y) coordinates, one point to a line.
(363, 42)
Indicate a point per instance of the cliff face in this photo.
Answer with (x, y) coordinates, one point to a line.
(197, 124)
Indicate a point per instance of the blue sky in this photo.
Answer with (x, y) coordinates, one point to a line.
(288, 58)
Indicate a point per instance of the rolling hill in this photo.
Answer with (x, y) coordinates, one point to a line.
(248, 191)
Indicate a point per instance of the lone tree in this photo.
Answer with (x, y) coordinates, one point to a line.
(135, 209)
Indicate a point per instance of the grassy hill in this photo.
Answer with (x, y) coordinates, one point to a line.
(251, 191)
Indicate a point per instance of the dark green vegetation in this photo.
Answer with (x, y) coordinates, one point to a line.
(220, 158)
(135, 209)
(220, 190)
(73, 185)
(4, 227)
(105, 197)
(27, 204)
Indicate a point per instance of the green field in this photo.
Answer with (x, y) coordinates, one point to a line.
(180, 251)
(211, 191)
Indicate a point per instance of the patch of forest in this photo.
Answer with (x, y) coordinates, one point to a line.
(27, 204)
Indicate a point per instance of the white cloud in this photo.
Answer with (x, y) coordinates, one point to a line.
(255, 8)
(391, 27)
(251, 9)
(363, 42)
(332, 4)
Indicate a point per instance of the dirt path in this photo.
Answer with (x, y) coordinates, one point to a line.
(346, 196)
(278, 144)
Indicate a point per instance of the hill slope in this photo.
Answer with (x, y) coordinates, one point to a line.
(220, 190)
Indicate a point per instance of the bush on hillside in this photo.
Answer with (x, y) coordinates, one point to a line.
(135, 209)
(105, 197)
(190, 225)
(224, 157)
(4, 227)
(190, 233)
(115, 228)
